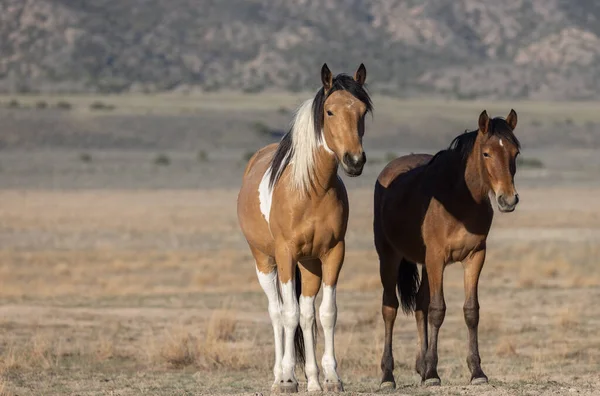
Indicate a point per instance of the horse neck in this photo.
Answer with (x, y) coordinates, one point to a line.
(325, 173)
(475, 176)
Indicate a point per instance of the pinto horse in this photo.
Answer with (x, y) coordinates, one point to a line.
(435, 210)
(293, 211)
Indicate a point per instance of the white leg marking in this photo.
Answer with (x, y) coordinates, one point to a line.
(307, 322)
(265, 195)
(291, 318)
(269, 284)
(328, 314)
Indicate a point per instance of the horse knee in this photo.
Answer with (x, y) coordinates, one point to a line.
(471, 315)
(275, 312)
(290, 316)
(436, 314)
(307, 312)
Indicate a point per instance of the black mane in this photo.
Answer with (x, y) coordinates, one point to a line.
(341, 82)
(462, 145)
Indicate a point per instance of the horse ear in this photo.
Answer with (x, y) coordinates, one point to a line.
(361, 74)
(512, 119)
(326, 77)
(484, 122)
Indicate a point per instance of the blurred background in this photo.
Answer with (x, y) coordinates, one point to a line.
(125, 126)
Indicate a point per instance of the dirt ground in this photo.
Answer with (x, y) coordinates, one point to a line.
(125, 273)
(154, 291)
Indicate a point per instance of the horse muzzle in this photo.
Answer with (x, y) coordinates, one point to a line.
(507, 203)
(353, 164)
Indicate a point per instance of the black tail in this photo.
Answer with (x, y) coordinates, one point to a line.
(408, 285)
(298, 336)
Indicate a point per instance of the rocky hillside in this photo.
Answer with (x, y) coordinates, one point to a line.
(539, 49)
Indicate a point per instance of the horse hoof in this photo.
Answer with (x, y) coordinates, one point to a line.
(314, 387)
(288, 387)
(479, 381)
(432, 382)
(387, 385)
(334, 386)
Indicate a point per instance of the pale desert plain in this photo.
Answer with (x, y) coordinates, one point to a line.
(123, 270)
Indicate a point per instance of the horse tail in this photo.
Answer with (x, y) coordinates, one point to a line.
(298, 336)
(408, 285)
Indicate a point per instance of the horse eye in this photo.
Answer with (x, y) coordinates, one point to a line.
(486, 155)
(329, 113)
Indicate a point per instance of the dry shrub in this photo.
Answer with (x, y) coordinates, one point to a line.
(180, 349)
(221, 326)
(506, 348)
(218, 348)
(39, 352)
(104, 348)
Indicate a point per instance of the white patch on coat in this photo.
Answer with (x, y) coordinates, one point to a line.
(265, 195)
(501, 144)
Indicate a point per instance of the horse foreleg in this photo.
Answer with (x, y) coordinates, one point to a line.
(311, 283)
(421, 310)
(388, 271)
(435, 315)
(472, 267)
(290, 315)
(332, 264)
(267, 277)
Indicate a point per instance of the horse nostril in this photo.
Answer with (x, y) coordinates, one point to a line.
(516, 199)
(347, 159)
(363, 158)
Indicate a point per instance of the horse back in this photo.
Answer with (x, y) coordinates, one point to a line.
(400, 166)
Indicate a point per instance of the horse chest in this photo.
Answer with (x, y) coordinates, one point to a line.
(311, 230)
(461, 243)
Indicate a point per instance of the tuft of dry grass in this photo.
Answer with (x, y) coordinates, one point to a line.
(180, 349)
(221, 326)
(506, 348)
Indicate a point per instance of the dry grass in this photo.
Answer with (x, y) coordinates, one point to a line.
(160, 285)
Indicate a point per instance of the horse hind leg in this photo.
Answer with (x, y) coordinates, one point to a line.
(267, 277)
(311, 274)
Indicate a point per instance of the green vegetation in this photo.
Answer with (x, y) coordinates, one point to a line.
(101, 106)
(202, 156)
(63, 105)
(533, 163)
(261, 128)
(162, 160)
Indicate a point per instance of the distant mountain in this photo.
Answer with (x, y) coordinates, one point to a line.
(538, 49)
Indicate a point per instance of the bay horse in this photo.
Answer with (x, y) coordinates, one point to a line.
(436, 210)
(293, 211)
